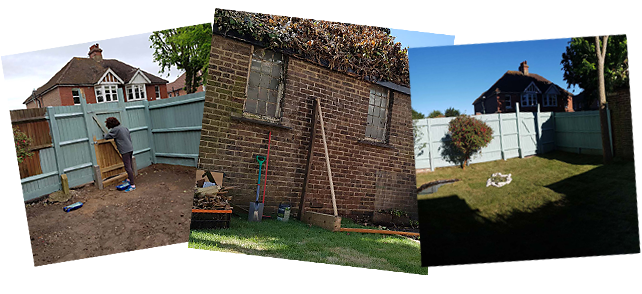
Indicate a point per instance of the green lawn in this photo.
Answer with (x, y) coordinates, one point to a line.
(558, 205)
(298, 241)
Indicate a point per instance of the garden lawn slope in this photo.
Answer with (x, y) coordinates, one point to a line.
(298, 241)
(558, 205)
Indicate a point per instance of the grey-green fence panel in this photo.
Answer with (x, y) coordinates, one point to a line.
(174, 124)
(529, 132)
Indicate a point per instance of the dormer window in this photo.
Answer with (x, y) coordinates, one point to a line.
(529, 96)
(550, 98)
(508, 102)
(106, 93)
(107, 88)
(136, 92)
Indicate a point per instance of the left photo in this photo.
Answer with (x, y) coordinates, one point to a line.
(107, 136)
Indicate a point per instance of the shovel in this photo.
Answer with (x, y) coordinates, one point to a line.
(256, 207)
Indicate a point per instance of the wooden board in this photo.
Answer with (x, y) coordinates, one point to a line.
(386, 232)
(326, 221)
(30, 166)
(109, 161)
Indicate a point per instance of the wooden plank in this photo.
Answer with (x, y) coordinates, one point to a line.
(113, 167)
(30, 166)
(117, 178)
(327, 159)
(325, 221)
(211, 211)
(313, 133)
(65, 184)
(386, 232)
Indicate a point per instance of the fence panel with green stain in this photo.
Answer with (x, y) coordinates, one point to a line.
(162, 131)
(515, 134)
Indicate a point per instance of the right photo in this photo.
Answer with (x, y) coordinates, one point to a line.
(524, 150)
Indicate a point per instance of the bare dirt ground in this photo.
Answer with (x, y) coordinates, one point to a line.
(157, 213)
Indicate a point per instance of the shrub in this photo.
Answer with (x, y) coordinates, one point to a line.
(22, 144)
(468, 136)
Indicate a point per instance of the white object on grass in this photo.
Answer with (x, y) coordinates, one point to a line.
(507, 179)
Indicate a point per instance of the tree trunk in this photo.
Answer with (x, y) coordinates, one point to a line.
(604, 126)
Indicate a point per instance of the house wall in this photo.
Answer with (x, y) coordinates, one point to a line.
(366, 177)
(621, 123)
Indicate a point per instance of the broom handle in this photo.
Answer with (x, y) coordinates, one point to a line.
(266, 166)
(327, 159)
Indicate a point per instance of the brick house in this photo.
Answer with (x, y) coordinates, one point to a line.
(253, 91)
(177, 87)
(99, 78)
(527, 89)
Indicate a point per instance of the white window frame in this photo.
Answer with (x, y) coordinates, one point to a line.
(550, 100)
(510, 101)
(131, 94)
(74, 96)
(157, 91)
(113, 92)
(529, 96)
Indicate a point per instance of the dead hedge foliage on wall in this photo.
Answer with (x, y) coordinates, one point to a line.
(365, 51)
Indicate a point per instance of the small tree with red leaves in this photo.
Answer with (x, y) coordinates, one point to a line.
(468, 136)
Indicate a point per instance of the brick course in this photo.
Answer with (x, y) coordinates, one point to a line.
(366, 177)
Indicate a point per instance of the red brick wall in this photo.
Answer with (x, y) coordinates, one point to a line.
(621, 123)
(229, 145)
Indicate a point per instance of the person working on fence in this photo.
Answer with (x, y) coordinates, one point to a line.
(123, 140)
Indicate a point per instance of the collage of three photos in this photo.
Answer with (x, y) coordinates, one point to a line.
(298, 139)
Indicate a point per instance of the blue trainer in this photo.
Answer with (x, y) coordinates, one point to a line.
(130, 188)
(123, 186)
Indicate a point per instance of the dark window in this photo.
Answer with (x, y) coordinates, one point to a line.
(265, 83)
(378, 105)
(76, 95)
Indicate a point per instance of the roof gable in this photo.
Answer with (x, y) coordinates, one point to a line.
(139, 78)
(110, 78)
(517, 82)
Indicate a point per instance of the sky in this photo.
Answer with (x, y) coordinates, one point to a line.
(454, 76)
(27, 71)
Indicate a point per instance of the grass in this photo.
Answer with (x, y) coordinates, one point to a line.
(558, 205)
(298, 241)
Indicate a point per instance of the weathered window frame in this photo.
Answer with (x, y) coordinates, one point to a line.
(103, 95)
(378, 133)
(262, 95)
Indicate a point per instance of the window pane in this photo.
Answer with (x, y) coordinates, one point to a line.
(272, 96)
(252, 93)
(254, 80)
(262, 94)
(271, 109)
(250, 106)
(262, 108)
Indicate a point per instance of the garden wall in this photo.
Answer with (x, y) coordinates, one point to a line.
(162, 131)
(517, 134)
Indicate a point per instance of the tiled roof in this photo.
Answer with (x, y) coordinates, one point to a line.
(86, 72)
(179, 83)
(516, 82)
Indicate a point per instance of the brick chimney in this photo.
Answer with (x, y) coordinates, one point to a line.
(96, 53)
(523, 67)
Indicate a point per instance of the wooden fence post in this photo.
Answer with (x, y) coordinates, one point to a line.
(519, 133)
(538, 135)
(150, 134)
(501, 136)
(608, 119)
(430, 162)
(92, 151)
(124, 118)
(55, 137)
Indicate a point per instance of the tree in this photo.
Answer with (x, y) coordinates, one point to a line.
(22, 142)
(186, 48)
(435, 113)
(598, 68)
(468, 136)
(417, 115)
(452, 112)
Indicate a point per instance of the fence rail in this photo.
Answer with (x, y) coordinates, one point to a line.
(65, 138)
(516, 134)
